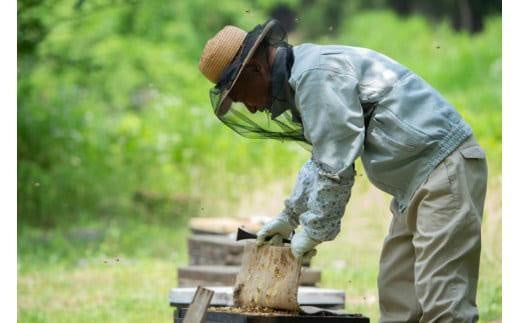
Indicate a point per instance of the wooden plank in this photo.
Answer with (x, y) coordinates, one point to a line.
(205, 275)
(269, 277)
(214, 250)
(314, 296)
(310, 276)
(197, 311)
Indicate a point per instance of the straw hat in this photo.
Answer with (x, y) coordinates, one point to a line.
(220, 51)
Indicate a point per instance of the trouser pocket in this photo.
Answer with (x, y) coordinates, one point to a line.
(473, 176)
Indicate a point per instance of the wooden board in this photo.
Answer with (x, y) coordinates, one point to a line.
(205, 275)
(197, 311)
(314, 296)
(269, 277)
(214, 250)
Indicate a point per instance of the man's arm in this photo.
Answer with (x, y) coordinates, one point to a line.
(296, 204)
(333, 122)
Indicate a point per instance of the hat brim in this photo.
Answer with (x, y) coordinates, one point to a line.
(226, 101)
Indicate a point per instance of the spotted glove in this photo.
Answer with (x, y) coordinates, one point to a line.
(302, 245)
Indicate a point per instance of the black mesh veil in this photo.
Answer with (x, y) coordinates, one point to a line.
(280, 119)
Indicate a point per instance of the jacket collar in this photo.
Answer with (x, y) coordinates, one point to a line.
(282, 95)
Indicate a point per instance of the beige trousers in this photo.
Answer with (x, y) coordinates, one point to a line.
(430, 259)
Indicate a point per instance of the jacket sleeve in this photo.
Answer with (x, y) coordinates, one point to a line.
(333, 123)
(296, 204)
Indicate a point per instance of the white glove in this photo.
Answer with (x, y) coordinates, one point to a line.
(274, 231)
(302, 246)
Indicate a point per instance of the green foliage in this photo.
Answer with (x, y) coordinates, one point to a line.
(112, 103)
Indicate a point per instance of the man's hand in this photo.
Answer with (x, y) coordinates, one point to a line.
(302, 246)
(274, 231)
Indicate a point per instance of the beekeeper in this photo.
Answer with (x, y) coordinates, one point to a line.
(348, 102)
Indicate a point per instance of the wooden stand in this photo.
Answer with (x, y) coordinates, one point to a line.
(213, 316)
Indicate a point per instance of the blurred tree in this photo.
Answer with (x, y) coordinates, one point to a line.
(108, 97)
(465, 15)
(285, 15)
(322, 17)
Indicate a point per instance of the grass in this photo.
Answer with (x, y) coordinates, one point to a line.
(115, 266)
(129, 290)
(116, 273)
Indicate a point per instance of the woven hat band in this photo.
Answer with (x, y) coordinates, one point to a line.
(219, 51)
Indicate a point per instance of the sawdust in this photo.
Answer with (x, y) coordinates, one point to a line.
(252, 310)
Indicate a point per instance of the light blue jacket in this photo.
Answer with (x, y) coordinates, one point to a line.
(355, 102)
